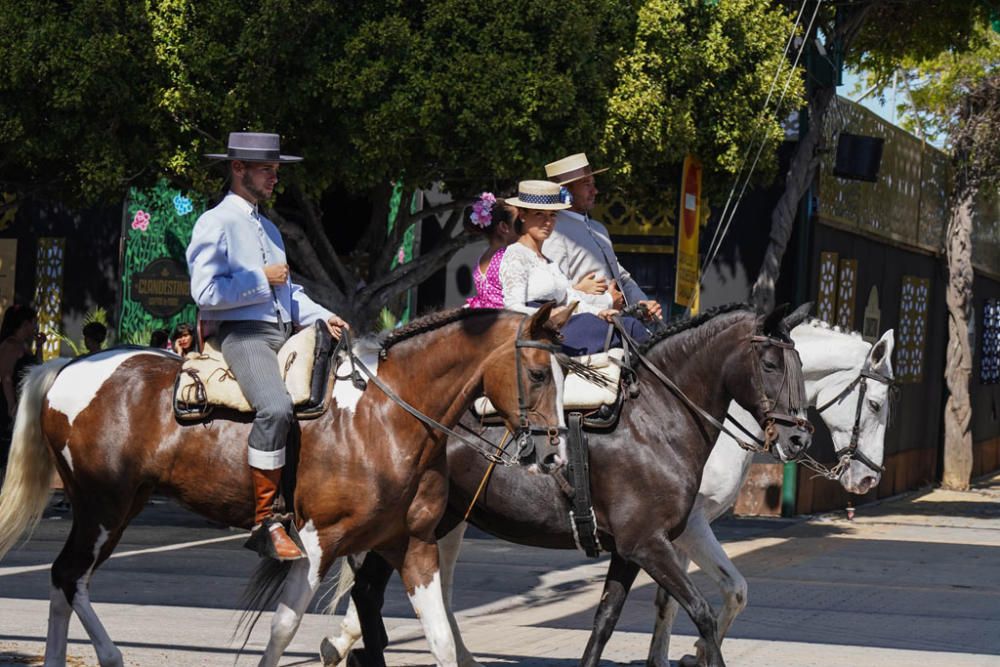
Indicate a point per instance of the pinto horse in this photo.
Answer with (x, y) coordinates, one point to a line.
(371, 476)
(644, 473)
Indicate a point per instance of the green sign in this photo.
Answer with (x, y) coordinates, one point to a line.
(155, 286)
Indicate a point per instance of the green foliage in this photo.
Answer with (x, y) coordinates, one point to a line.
(694, 79)
(473, 94)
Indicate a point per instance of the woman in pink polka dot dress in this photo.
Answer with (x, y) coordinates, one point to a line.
(495, 220)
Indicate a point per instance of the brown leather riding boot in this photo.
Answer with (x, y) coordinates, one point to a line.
(265, 487)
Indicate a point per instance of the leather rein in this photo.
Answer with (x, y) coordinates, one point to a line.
(768, 421)
(525, 429)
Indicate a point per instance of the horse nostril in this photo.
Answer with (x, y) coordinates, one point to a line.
(798, 443)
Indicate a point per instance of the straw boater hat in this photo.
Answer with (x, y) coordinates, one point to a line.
(541, 195)
(570, 169)
(254, 147)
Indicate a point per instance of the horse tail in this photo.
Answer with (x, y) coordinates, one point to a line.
(345, 581)
(262, 592)
(28, 482)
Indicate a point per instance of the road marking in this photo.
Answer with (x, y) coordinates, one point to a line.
(10, 571)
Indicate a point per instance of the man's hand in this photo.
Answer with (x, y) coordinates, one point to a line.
(591, 284)
(653, 308)
(607, 314)
(276, 274)
(617, 298)
(336, 326)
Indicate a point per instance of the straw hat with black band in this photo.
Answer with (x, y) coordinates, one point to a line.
(570, 169)
(538, 195)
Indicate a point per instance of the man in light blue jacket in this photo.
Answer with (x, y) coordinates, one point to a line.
(240, 280)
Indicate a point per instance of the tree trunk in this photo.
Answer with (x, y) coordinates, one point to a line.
(801, 173)
(958, 363)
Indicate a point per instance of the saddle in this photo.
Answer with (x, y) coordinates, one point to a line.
(206, 382)
(598, 398)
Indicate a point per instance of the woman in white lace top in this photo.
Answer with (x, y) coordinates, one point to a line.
(529, 278)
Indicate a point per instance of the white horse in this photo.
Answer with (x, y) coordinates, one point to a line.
(849, 381)
(846, 378)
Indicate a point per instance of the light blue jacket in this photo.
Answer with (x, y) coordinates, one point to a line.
(229, 247)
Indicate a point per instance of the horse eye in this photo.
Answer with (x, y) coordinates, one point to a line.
(537, 375)
(875, 406)
(769, 365)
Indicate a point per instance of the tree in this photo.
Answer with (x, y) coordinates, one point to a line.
(957, 96)
(873, 36)
(376, 94)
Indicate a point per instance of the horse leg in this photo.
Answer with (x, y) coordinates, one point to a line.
(363, 618)
(300, 586)
(89, 544)
(617, 583)
(422, 579)
(666, 612)
(700, 542)
(449, 547)
(658, 557)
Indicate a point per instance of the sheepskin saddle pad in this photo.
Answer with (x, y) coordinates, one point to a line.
(205, 380)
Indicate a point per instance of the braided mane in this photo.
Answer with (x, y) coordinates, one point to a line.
(686, 324)
(431, 322)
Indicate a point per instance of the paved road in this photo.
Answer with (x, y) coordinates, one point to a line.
(909, 582)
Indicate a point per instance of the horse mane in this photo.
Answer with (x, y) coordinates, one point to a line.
(430, 323)
(817, 323)
(686, 324)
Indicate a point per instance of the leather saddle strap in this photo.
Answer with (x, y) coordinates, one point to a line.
(582, 512)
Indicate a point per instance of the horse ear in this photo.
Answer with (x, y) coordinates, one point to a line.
(561, 315)
(536, 325)
(798, 316)
(881, 352)
(772, 322)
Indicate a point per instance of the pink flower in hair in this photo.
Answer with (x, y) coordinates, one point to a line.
(482, 210)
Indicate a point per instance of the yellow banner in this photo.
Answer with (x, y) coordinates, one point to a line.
(686, 287)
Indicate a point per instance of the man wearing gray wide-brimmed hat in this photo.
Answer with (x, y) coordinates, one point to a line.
(582, 247)
(240, 280)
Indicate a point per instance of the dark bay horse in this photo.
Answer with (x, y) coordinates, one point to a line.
(644, 474)
(371, 476)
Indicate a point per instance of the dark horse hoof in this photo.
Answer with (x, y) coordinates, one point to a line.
(328, 652)
(688, 661)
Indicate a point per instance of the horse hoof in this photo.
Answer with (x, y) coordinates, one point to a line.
(328, 652)
(688, 661)
(355, 658)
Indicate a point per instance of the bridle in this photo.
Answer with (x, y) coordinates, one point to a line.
(796, 399)
(770, 417)
(525, 430)
(851, 452)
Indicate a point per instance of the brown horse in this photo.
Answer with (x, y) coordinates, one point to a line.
(371, 476)
(644, 472)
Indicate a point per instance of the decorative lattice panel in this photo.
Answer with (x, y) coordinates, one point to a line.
(655, 222)
(912, 328)
(826, 298)
(989, 366)
(847, 288)
(48, 291)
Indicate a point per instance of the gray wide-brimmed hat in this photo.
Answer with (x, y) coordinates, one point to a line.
(254, 147)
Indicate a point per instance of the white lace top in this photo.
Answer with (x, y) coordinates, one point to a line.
(527, 277)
